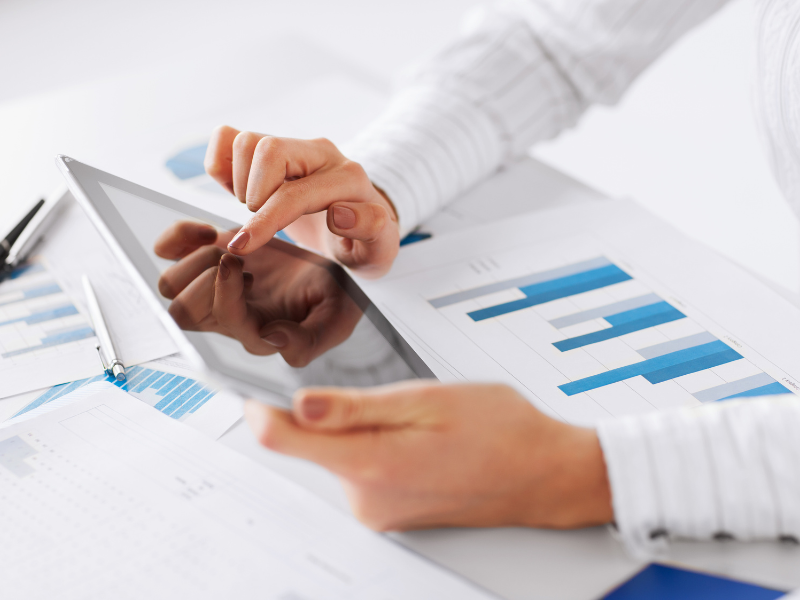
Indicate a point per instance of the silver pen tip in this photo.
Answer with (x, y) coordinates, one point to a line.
(119, 372)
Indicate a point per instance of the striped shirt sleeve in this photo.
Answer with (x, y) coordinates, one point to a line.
(522, 72)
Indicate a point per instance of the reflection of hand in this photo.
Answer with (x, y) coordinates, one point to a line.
(269, 300)
(324, 200)
(418, 455)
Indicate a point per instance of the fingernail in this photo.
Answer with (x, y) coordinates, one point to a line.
(277, 339)
(343, 217)
(224, 271)
(240, 240)
(208, 235)
(314, 408)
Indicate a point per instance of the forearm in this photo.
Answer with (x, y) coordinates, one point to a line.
(523, 72)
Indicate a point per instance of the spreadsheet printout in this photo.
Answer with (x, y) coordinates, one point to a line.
(591, 311)
(106, 498)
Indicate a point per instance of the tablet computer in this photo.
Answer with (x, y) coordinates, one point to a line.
(348, 342)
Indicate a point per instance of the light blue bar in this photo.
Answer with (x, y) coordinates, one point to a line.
(55, 340)
(641, 368)
(674, 345)
(555, 290)
(602, 335)
(183, 397)
(773, 389)
(147, 382)
(165, 378)
(45, 290)
(200, 404)
(727, 390)
(47, 315)
(191, 403)
(177, 390)
(519, 282)
(604, 311)
(167, 388)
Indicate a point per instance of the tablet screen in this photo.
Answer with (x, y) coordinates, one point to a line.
(331, 333)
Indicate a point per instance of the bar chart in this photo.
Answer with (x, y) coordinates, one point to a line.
(174, 395)
(36, 316)
(593, 316)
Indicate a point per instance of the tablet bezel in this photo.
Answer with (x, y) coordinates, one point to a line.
(84, 183)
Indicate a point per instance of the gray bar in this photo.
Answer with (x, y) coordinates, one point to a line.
(605, 311)
(735, 387)
(519, 282)
(675, 345)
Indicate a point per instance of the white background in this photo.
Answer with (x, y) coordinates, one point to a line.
(683, 141)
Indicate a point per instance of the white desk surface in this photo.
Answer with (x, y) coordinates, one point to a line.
(105, 124)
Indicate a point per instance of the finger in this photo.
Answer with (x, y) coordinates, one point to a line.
(244, 147)
(369, 236)
(173, 281)
(192, 306)
(218, 161)
(230, 307)
(344, 409)
(294, 199)
(277, 430)
(182, 238)
(277, 159)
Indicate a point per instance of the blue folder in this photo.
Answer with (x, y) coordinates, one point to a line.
(661, 582)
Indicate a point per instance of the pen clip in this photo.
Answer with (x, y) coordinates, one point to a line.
(106, 370)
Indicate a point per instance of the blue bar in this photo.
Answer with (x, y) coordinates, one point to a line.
(47, 315)
(177, 390)
(147, 382)
(167, 388)
(772, 389)
(519, 282)
(188, 403)
(43, 399)
(693, 366)
(672, 314)
(131, 375)
(183, 397)
(674, 345)
(27, 269)
(208, 397)
(165, 379)
(55, 340)
(45, 290)
(642, 368)
(555, 290)
(604, 311)
(641, 312)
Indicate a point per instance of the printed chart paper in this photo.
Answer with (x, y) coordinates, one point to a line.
(593, 311)
(107, 498)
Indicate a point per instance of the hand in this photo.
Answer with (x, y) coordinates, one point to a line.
(321, 198)
(419, 454)
(269, 300)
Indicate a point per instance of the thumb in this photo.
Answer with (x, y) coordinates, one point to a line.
(343, 409)
(368, 236)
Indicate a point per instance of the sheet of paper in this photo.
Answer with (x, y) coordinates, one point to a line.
(106, 498)
(168, 384)
(592, 310)
(73, 247)
(44, 338)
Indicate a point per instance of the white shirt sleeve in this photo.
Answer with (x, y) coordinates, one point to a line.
(721, 471)
(523, 71)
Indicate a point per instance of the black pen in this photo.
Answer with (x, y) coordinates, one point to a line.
(11, 238)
